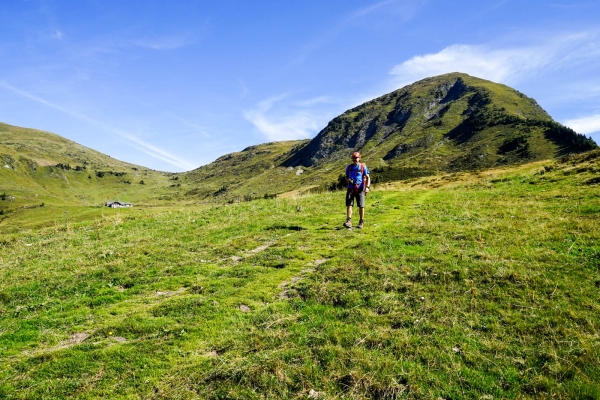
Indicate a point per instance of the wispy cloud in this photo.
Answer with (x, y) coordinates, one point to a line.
(46, 10)
(299, 123)
(155, 152)
(368, 10)
(165, 43)
(507, 65)
(244, 90)
(585, 125)
(174, 40)
(402, 10)
(195, 127)
(133, 140)
(499, 4)
(56, 34)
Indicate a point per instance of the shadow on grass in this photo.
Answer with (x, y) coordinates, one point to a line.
(286, 227)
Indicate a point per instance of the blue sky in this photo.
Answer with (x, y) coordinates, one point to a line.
(172, 85)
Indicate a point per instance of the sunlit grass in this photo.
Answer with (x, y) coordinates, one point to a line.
(482, 285)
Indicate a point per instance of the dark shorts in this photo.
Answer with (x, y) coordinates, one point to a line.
(360, 198)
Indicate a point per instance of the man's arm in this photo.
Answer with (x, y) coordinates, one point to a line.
(367, 182)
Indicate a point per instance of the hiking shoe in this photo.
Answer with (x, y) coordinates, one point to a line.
(361, 223)
(348, 223)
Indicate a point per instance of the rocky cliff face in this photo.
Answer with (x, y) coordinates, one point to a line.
(448, 122)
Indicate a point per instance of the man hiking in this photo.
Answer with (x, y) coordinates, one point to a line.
(359, 182)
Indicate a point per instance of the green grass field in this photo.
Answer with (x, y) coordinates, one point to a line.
(474, 285)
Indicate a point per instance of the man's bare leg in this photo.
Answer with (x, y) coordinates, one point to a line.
(361, 212)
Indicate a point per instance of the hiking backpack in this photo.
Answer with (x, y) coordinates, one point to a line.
(355, 187)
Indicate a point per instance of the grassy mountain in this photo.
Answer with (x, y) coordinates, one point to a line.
(463, 285)
(448, 123)
(40, 171)
(253, 172)
(35, 148)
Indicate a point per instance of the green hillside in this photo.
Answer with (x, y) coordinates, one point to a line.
(254, 172)
(39, 148)
(462, 285)
(476, 275)
(450, 122)
(45, 177)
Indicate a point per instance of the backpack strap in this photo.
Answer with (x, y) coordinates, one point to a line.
(364, 178)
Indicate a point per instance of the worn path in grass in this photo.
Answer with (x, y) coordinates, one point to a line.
(488, 289)
(122, 283)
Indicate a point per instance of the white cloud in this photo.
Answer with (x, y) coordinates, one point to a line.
(133, 140)
(296, 124)
(506, 65)
(406, 9)
(244, 90)
(315, 101)
(155, 152)
(496, 65)
(585, 125)
(164, 43)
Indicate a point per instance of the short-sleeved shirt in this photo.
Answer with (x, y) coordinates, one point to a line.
(353, 172)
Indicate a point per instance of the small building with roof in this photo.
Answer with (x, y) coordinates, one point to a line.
(117, 204)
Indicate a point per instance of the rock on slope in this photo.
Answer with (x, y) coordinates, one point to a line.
(448, 122)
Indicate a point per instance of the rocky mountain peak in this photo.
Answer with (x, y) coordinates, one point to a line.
(430, 118)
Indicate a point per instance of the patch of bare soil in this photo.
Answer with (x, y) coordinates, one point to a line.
(260, 248)
(252, 252)
(75, 338)
(170, 293)
(244, 308)
(287, 286)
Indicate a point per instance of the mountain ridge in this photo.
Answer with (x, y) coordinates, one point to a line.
(447, 123)
(411, 114)
(47, 149)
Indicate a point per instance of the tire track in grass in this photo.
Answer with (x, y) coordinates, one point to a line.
(338, 236)
(322, 247)
(409, 202)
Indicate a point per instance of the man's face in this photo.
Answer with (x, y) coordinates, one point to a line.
(355, 160)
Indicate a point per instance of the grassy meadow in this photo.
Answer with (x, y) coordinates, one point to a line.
(470, 285)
